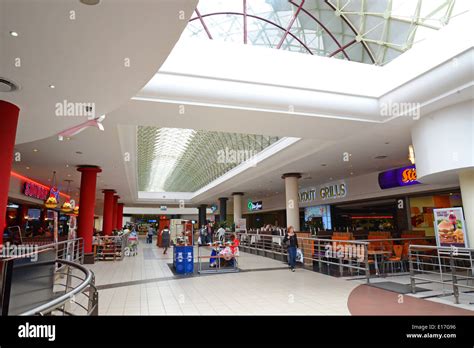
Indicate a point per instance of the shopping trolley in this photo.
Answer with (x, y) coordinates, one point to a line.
(132, 247)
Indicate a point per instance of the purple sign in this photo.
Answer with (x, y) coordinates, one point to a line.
(404, 176)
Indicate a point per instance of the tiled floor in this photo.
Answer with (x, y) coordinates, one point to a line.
(144, 285)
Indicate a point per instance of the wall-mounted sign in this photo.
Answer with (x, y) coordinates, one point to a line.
(450, 227)
(404, 176)
(213, 208)
(253, 206)
(324, 192)
(163, 208)
(36, 191)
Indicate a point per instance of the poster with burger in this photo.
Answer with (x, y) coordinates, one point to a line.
(450, 227)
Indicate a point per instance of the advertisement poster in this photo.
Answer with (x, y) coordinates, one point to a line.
(241, 225)
(450, 227)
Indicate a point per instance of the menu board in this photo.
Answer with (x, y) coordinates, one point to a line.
(450, 227)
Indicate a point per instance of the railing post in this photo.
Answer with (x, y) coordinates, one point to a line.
(320, 264)
(412, 271)
(93, 306)
(366, 261)
(454, 277)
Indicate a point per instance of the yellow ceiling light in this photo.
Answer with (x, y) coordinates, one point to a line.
(411, 154)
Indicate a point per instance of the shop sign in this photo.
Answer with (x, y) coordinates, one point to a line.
(337, 190)
(404, 176)
(450, 228)
(163, 208)
(35, 191)
(253, 206)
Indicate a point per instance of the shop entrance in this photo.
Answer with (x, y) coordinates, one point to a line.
(362, 217)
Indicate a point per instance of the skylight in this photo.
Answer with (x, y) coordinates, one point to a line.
(368, 31)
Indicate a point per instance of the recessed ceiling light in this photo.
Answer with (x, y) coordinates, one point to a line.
(35, 150)
(69, 175)
(13, 33)
(52, 86)
(67, 165)
(380, 157)
(352, 173)
(7, 86)
(79, 152)
(28, 168)
(90, 2)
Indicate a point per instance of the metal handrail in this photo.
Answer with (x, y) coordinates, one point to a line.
(442, 262)
(265, 243)
(63, 299)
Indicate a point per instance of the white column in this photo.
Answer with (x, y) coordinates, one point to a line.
(466, 181)
(237, 205)
(292, 205)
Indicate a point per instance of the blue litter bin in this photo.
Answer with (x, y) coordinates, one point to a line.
(183, 257)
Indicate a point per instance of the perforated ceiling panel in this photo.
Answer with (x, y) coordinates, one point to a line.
(185, 160)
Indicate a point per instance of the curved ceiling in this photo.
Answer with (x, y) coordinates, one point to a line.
(98, 56)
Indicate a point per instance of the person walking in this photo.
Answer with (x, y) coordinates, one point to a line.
(165, 239)
(151, 232)
(291, 242)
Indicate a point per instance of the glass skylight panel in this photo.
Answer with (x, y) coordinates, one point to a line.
(368, 31)
(185, 160)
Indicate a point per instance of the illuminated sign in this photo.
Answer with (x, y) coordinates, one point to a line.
(336, 190)
(252, 206)
(404, 176)
(36, 191)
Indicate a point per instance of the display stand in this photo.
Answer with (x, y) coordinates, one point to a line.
(183, 249)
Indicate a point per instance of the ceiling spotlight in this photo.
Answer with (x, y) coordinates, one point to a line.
(13, 33)
(352, 173)
(90, 2)
(35, 150)
(28, 168)
(67, 165)
(411, 154)
(7, 86)
(52, 86)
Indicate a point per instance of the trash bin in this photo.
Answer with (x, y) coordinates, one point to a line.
(183, 259)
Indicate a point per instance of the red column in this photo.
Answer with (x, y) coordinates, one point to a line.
(108, 222)
(114, 219)
(119, 224)
(87, 207)
(8, 123)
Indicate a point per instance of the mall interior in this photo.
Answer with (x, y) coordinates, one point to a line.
(155, 154)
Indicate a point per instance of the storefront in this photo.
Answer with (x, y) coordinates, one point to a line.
(26, 211)
(387, 201)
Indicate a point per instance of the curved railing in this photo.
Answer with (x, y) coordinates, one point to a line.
(69, 302)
